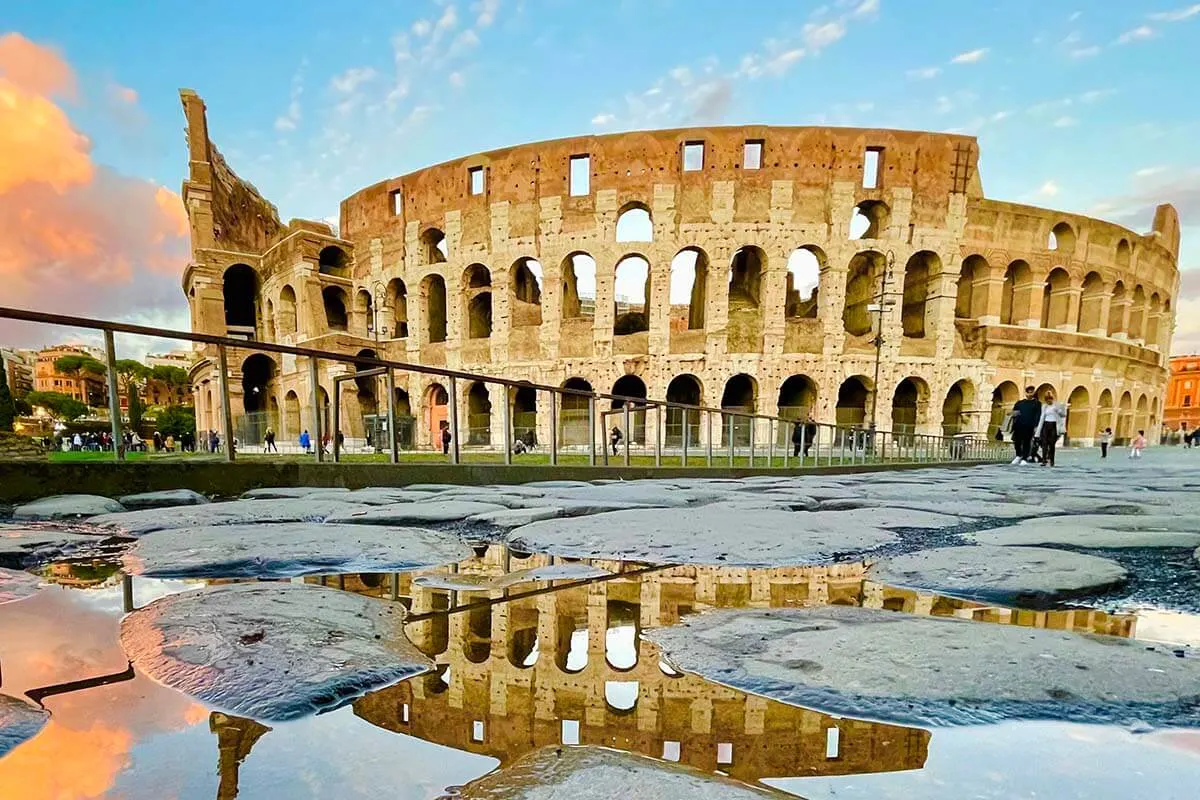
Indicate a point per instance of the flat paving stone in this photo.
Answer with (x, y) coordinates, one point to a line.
(516, 517)
(430, 511)
(989, 572)
(704, 535)
(284, 492)
(19, 544)
(919, 670)
(1098, 531)
(16, 585)
(164, 499)
(597, 773)
(66, 506)
(19, 722)
(272, 651)
(289, 549)
(235, 512)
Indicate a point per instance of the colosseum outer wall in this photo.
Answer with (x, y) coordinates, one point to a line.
(980, 296)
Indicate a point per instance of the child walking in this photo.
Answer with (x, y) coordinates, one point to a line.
(1138, 445)
(1105, 441)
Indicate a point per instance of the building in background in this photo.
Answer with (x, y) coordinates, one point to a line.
(19, 366)
(176, 358)
(85, 387)
(1182, 409)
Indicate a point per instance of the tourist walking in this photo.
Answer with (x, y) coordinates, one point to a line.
(305, 441)
(1106, 436)
(269, 442)
(615, 438)
(214, 442)
(445, 438)
(1054, 415)
(1137, 445)
(1026, 414)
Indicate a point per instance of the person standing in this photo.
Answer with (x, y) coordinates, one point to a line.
(1137, 445)
(1106, 436)
(615, 438)
(305, 441)
(1025, 416)
(445, 438)
(1048, 427)
(269, 440)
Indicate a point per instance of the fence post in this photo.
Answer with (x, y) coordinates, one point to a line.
(753, 430)
(658, 435)
(592, 433)
(730, 440)
(394, 450)
(226, 405)
(684, 440)
(771, 427)
(553, 427)
(314, 376)
(506, 438)
(114, 397)
(337, 418)
(708, 438)
(628, 433)
(453, 420)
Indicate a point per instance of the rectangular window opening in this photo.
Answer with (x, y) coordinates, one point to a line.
(570, 731)
(1187, 401)
(397, 203)
(581, 176)
(693, 156)
(724, 753)
(404, 713)
(477, 731)
(476, 176)
(671, 751)
(871, 161)
(833, 739)
(752, 154)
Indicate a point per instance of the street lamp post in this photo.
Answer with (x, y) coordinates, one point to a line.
(879, 307)
(375, 303)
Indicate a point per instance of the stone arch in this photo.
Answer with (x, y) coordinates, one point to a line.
(862, 278)
(804, 268)
(622, 629)
(433, 294)
(631, 313)
(631, 386)
(688, 286)
(1056, 299)
(1142, 414)
(333, 260)
(1079, 414)
(1137, 313)
(477, 292)
(334, 300)
(435, 410)
(870, 220)
(287, 310)
(524, 414)
(797, 397)
(1125, 418)
(956, 408)
(1091, 305)
(523, 632)
(433, 246)
(1016, 293)
(258, 370)
(634, 223)
(918, 275)
(292, 426)
(910, 405)
(851, 409)
(1124, 254)
(1104, 411)
(479, 415)
(1153, 315)
(397, 294)
(579, 286)
(364, 311)
(1116, 309)
(1061, 239)
(740, 394)
(686, 389)
(745, 278)
(269, 322)
(240, 292)
(526, 298)
(367, 400)
(477, 632)
(971, 299)
(573, 423)
(1004, 397)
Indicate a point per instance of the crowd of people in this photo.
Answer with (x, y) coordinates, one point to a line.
(131, 441)
(1035, 427)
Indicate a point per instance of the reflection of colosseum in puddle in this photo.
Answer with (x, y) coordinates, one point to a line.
(567, 666)
(725, 266)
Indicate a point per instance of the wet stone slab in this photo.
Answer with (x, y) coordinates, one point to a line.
(20, 544)
(16, 585)
(1098, 531)
(430, 511)
(918, 670)
(66, 506)
(289, 549)
(271, 651)
(19, 721)
(164, 499)
(235, 512)
(989, 572)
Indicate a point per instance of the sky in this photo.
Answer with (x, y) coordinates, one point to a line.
(1086, 107)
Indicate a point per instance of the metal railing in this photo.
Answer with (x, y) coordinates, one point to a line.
(666, 431)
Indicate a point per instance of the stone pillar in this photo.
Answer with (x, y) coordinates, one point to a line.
(1071, 296)
(992, 287)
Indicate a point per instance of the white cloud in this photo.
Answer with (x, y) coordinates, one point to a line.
(1138, 34)
(1085, 52)
(681, 74)
(1001, 115)
(924, 73)
(486, 12)
(448, 19)
(1149, 172)
(944, 105)
(1048, 189)
(1096, 94)
(1178, 15)
(456, 80)
(604, 119)
(867, 8)
(1065, 122)
(291, 118)
(352, 78)
(422, 27)
(970, 57)
(817, 37)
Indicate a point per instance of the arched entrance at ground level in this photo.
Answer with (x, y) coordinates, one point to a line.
(436, 413)
(630, 386)
(1079, 415)
(797, 400)
(524, 416)
(851, 411)
(1141, 421)
(683, 389)
(292, 426)
(573, 427)
(406, 424)
(910, 405)
(1125, 419)
(1104, 411)
(1004, 397)
(479, 415)
(956, 408)
(258, 371)
(741, 394)
(326, 414)
(368, 401)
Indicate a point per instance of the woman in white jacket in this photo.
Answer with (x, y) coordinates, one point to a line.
(1053, 420)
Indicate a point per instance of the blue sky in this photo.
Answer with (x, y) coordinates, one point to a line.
(1084, 106)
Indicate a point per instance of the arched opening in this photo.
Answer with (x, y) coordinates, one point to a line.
(1116, 309)
(862, 280)
(1062, 239)
(1056, 299)
(918, 273)
(1124, 254)
(1104, 411)
(870, 220)
(909, 404)
(1091, 305)
(740, 395)
(326, 416)
(573, 416)
(433, 246)
(527, 292)
(436, 412)
(332, 260)
(851, 411)
(688, 289)
(630, 386)
(803, 282)
(269, 322)
(258, 371)
(433, 291)
(683, 389)
(334, 300)
(621, 635)
(1137, 313)
(571, 635)
(477, 290)
(524, 416)
(1125, 418)
(1079, 414)
(479, 415)
(745, 278)
(634, 223)
(477, 633)
(956, 408)
(1004, 397)
(287, 311)
(1152, 318)
(797, 397)
(1141, 421)
(1016, 294)
(522, 632)
(364, 311)
(631, 293)
(579, 286)
(621, 696)
(291, 416)
(971, 299)
(398, 297)
(368, 401)
(240, 289)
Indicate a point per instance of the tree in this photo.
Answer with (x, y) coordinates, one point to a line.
(80, 364)
(61, 406)
(129, 375)
(172, 376)
(176, 421)
(136, 408)
(8, 409)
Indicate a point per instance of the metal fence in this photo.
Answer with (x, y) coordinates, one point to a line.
(598, 425)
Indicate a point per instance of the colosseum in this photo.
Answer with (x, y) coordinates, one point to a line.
(858, 275)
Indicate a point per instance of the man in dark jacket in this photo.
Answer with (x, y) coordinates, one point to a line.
(1026, 414)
